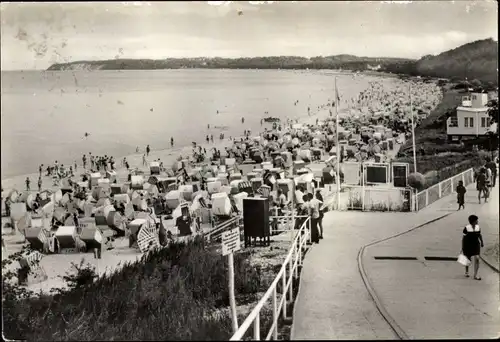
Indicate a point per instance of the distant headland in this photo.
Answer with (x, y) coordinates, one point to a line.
(475, 60)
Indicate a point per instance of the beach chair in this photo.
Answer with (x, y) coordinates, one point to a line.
(68, 240)
(38, 238)
(36, 273)
(221, 204)
(90, 234)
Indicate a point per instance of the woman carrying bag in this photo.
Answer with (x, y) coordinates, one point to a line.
(472, 242)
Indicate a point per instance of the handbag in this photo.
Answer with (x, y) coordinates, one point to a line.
(463, 260)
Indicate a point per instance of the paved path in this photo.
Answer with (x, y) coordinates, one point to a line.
(433, 299)
(333, 302)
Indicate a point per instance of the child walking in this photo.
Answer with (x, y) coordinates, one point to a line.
(461, 190)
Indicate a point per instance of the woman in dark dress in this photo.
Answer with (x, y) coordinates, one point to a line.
(472, 242)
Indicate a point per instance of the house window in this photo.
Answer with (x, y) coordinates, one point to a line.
(471, 122)
(483, 122)
(453, 122)
(474, 97)
(466, 122)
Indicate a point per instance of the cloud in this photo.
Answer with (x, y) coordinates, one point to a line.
(75, 31)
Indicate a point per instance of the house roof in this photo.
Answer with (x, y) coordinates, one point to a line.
(472, 109)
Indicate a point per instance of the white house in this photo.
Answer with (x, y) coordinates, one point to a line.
(472, 118)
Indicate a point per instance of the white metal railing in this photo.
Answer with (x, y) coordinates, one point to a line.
(442, 189)
(289, 271)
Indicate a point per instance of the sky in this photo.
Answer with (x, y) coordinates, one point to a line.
(36, 35)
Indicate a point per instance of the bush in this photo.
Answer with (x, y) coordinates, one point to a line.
(416, 180)
(172, 293)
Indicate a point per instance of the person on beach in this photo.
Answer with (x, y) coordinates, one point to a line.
(40, 169)
(40, 183)
(28, 183)
(76, 166)
(212, 137)
(137, 149)
(472, 241)
(56, 167)
(147, 150)
(461, 190)
(84, 161)
(144, 161)
(207, 139)
(171, 141)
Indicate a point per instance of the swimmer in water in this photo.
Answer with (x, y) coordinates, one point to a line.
(217, 112)
(86, 135)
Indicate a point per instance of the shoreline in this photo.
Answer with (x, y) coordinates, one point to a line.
(166, 155)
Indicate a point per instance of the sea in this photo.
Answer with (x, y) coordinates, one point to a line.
(45, 114)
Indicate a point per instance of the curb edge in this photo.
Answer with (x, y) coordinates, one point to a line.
(493, 267)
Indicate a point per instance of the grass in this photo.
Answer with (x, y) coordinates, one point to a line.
(175, 293)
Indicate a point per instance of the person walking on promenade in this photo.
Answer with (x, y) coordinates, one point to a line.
(461, 190)
(39, 184)
(472, 241)
(319, 197)
(28, 184)
(493, 167)
(314, 214)
(147, 150)
(481, 185)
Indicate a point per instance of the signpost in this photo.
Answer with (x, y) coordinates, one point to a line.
(230, 244)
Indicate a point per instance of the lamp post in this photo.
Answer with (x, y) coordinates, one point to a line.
(413, 133)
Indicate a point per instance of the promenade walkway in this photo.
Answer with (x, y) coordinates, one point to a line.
(333, 302)
(432, 299)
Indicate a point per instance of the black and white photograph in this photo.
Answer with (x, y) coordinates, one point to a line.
(249, 170)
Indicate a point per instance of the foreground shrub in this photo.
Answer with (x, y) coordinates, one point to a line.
(172, 293)
(416, 180)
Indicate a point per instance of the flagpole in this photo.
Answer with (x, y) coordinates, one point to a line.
(413, 134)
(337, 176)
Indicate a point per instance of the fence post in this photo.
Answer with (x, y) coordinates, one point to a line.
(451, 181)
(440, 189)
(463, 178)
(283, 284)
(309, 229)
(295, 255)
(426, 197)
(300, 251)
(256, 328)
(290, 289)
(275, 315)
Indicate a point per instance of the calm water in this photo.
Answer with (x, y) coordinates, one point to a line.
(45, 114)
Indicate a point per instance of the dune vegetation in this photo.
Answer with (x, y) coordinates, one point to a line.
(175, 293)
